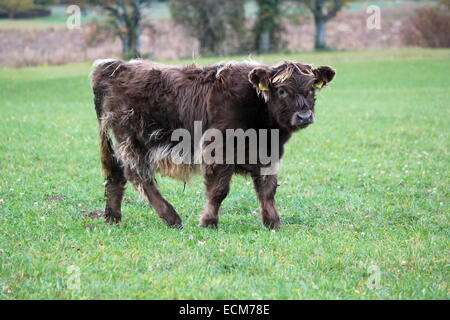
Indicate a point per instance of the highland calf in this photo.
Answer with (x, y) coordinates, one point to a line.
(140, 105)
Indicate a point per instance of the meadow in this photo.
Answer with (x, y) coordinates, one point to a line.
(364, 196)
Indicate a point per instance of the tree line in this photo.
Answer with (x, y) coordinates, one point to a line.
(211, 22)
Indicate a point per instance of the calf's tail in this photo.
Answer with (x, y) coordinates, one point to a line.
(110, 165)
(114, 175)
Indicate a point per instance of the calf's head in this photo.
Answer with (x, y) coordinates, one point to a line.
(289, 91)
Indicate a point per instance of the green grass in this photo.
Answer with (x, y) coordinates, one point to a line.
(367, 184)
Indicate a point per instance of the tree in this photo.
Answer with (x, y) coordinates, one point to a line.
(322, 10)
(14, 6)
(125, 16)
(267, 26)
(210, 21)
(429, 27)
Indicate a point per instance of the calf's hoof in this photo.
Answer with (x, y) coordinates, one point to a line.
(112, 217)
(272, 224)
(208, 222)
(173, 220)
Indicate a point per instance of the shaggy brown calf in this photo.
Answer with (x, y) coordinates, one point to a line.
(141, 104)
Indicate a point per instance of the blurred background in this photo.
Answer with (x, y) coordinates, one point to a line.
(34, 32)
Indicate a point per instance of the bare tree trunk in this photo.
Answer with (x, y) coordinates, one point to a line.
(319, 42)
(135, 30)
(266, 25)
(127, 24)
(264, 43)
(208, 41)
(131, 44)
(322, 13)
(125, 46)
(137, 41)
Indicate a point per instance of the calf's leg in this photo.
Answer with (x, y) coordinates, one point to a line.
(162, 207)
(114, 190)
(217, 183)
(265, 187)
(115, 181)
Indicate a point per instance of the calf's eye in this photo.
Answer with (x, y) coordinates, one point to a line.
(281, 92)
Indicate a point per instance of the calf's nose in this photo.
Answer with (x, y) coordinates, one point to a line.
(305, 117)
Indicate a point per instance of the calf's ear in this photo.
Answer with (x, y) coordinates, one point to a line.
(259, 77)
(324, 75)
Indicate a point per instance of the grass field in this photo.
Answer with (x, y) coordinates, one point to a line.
(364, 196)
